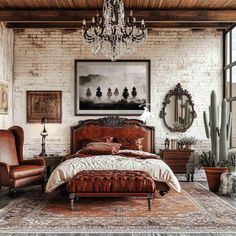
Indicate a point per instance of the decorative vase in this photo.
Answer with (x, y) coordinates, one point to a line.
(213, 177)
(173, 143)
(188, 146)
(228, 184)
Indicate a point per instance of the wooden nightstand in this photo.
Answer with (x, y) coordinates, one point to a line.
(177, 160)
(52, 161)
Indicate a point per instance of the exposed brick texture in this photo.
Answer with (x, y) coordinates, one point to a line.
(44, 60)
(6, 70)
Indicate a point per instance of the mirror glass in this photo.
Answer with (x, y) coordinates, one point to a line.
(178, 110)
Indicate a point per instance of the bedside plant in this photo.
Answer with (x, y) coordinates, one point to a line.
(198, 161)
(188, 142)
(220, 136)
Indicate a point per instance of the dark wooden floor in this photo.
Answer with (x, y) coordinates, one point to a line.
(6, 199)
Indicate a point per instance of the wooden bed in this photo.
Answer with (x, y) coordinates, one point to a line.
(116, 127)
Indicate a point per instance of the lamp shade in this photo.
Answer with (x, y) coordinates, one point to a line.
(44, 120)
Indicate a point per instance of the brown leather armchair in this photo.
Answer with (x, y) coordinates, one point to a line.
(15, 172)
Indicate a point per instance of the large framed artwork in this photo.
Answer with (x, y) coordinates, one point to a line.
(44, 104)
(3, 97)
(103, 87)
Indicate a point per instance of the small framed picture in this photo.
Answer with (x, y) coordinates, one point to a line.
(44, 104)
(111, 88)
(3, 97)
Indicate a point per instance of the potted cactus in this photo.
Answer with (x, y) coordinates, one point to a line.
(220, 137)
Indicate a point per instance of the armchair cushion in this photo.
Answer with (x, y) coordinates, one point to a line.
(23, 171)
(35, 161)
(5, 166)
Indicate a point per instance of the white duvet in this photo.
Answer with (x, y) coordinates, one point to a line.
(158, 169)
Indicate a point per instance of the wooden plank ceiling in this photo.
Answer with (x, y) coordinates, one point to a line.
(95, 4)
(157, 13)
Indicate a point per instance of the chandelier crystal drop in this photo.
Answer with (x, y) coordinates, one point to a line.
(111, 34)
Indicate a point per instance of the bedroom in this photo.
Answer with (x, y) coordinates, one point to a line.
(42, 55)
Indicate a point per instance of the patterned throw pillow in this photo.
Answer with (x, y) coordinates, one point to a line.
(100, 148)
(131, 143)
(106, 139)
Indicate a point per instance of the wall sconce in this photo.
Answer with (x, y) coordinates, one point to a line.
(44, 134)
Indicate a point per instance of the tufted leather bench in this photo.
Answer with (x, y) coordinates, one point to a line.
(111, 183)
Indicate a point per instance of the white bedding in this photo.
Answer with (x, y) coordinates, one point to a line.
(158, 169)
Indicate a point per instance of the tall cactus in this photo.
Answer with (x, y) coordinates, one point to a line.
(219, 136)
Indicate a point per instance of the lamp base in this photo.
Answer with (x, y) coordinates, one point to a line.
(43, 152)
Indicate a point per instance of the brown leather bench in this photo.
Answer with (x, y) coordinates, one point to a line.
(111, 183)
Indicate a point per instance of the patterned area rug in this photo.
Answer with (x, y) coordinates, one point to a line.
(194, 210)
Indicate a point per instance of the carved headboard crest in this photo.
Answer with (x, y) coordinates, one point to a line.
(110, 121)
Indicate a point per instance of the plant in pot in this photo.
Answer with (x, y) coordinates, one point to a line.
(231, 162)
(220, 136)
(188, 142)
(197, 161)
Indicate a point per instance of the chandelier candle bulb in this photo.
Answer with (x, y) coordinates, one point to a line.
(84, 22)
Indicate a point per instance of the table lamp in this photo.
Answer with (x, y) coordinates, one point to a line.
(44, 134)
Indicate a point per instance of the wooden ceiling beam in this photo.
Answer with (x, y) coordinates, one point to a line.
(147, 15)
(152, 25)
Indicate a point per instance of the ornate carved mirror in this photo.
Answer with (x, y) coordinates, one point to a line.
(178, 110)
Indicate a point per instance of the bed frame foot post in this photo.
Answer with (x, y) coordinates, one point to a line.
(150, 198)
(72, 199)
(163, 193)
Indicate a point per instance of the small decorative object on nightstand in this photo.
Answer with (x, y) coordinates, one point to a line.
(167, 142)
(177, 160)
(188, 142)
(173, 144)
(44, 134)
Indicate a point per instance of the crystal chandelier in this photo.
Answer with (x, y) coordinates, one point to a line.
(111, 34)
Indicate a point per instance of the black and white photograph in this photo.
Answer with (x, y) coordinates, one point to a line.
(111, 88)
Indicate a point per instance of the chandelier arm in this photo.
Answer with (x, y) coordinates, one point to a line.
(88, 37)
(138, 37)
(130, 33)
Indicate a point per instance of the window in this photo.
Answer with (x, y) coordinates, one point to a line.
(233, 45)
(230, 75)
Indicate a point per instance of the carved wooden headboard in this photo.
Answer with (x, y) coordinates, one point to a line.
(112, 126)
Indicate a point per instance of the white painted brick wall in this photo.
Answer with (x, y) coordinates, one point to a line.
(44, 60)
(6, 70)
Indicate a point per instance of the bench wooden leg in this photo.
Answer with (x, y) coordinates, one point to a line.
(42, 187)
(150, 198)
(72, 199)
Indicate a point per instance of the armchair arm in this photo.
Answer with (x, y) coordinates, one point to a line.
(35, 161)
(4, 166)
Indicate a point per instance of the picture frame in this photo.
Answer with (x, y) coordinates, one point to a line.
(4, 97)
(44, 104)
(103, 87)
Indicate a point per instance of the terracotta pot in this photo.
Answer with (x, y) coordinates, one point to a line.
(188, 146)
(213, 177)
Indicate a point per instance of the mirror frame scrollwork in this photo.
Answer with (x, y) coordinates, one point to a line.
(178, 92)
